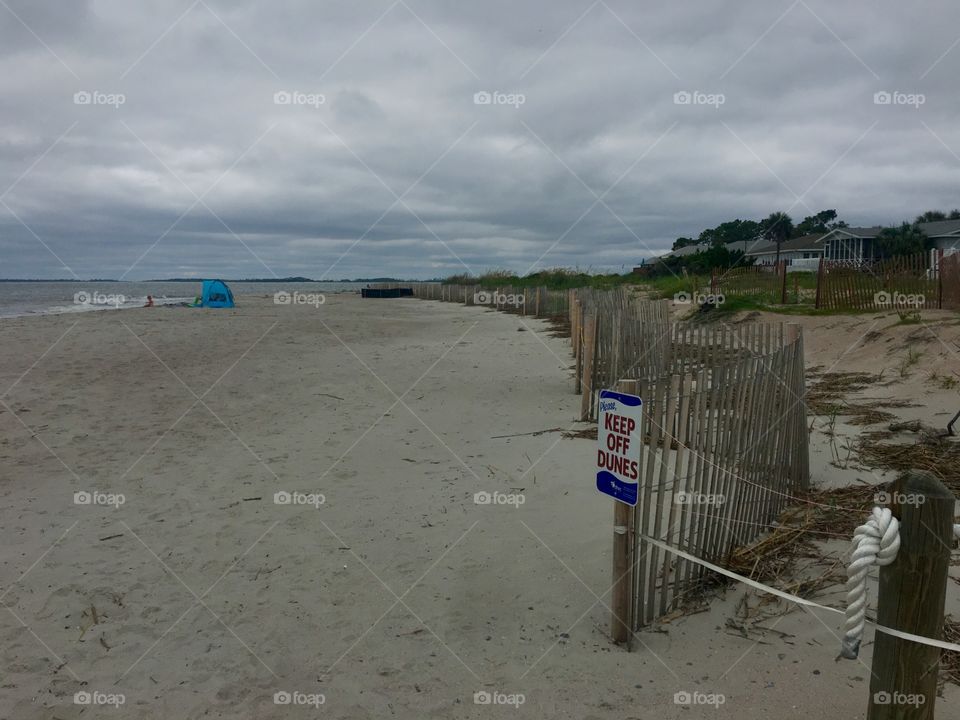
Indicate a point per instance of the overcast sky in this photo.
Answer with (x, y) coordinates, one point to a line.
(161, 138)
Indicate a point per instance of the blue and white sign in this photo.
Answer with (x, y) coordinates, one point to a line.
(618, 446)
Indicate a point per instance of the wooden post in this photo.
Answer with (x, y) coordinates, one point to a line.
(783, 282)
(536, 307)
(577, 334)
(588, 350)
(797, 429)
(574, 330)
(621, 622)
(911, 599)
(940, 278)
(816, 303)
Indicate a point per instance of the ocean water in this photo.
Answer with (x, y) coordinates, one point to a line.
(44, 298)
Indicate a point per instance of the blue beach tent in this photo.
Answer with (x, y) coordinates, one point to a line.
(216, 294)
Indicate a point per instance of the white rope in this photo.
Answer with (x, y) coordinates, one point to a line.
(874, 543)
(932, 642)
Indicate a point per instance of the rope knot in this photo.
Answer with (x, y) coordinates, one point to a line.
(876, 542)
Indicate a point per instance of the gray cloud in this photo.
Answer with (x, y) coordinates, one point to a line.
(311, 187)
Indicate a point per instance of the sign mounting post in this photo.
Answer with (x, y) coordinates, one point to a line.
(618, 475)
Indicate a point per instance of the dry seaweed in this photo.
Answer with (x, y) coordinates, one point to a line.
(587, 433)
(950, 661)
(937, 455)
(826, 396)
(559, 326)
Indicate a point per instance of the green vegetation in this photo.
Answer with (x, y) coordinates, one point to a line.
(667, 286)
(822, 222)
(553, 279)
(724, 246)
(777, 228)
(904, 240)
(711, 257)
(934, 215)
(721, 251)
(659, 287)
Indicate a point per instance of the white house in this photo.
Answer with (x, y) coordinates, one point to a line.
(802, 253)
(945, 235)
(851, 244)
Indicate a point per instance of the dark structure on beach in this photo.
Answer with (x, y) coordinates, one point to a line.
(386, 292)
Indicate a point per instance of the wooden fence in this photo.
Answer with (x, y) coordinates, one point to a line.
(724, 434)
(725, 440)
(927, 280)
(723, 428)
(725, 446)
(948, 272)
(621, 334)
(767, 283)
(613, 341)
(907, 282)
(533, 302)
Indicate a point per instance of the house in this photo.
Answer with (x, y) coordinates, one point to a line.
(802, 253)
(681, 252)
(851, 244)
(944, 234)
(859, 245)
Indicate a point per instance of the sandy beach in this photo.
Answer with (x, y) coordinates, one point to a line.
(374, 585)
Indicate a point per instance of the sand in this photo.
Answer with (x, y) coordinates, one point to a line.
(399, 595)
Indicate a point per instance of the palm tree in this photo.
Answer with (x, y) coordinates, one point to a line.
(777, 228)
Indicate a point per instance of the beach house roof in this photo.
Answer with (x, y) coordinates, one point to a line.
(854, 232)
(681, 252)
(940, 228)
(805, 243)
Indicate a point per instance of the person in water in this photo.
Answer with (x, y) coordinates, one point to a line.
(149, 301)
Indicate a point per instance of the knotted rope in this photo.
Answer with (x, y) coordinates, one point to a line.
(876, 542)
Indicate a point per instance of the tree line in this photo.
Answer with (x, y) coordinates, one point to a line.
(726, 244)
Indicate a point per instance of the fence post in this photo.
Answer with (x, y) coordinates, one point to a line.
(816, 302)
(621, 606)
(588, 350)
(783, 282)
(939, 278)
(575, 330)
(620, 628)
(911, 598)
(798, 434)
